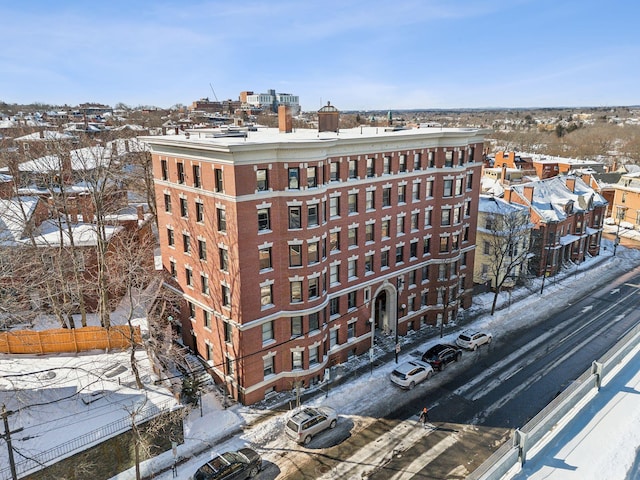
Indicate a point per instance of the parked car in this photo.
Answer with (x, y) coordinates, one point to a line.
(471, 339)
(308, 422)
(409, 374)
(441, 354)
(243, 464)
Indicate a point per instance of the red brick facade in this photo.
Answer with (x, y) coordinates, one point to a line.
(288, 249)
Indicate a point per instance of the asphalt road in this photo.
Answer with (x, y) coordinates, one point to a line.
(475, 404)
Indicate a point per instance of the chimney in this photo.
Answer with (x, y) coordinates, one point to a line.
(285, 120)
(528, 193)
(503, 174)
(73, 209)
(140, 212)
(328, 118)
(41, 133)
(507, 194)
(85, 207)
(571, 183)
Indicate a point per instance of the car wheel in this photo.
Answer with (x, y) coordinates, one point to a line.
(307, 440)
(253, 472)
(411, 385)
(333, 424)
(429, 375)
(458, 356)
(475, 347)
(489, 340)
(442, 365)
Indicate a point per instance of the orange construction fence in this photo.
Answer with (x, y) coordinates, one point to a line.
(63, 340)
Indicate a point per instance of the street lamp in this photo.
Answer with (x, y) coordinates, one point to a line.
(621, 211)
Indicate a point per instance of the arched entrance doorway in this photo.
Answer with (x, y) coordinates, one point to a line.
(384, 310)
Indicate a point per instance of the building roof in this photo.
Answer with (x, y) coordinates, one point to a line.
(14, 215)
(551, 197)
(498, 206)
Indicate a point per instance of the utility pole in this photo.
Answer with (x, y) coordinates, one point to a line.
(7, 438)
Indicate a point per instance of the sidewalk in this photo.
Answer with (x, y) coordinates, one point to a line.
(225, 423)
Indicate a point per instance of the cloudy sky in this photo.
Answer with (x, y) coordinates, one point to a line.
(358, 54)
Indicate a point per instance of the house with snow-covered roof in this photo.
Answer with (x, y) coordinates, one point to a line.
(567, 215)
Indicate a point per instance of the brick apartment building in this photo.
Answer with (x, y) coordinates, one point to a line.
(294, 250)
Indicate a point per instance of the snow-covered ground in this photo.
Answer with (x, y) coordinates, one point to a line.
(218, 429)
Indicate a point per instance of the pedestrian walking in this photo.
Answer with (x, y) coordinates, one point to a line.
(424, 417)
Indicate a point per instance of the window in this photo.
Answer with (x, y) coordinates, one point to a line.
(466, 234)
(296, 360)
(188, 273)
(313, 355)
(334, 171)
(202, 249)
(186, 243)
(353, 203)
(402, 191)
(204, 282)
(384, 259)
(386, 165)
(461, 157)
(432, 159)
(351, 300)
(262, 180)
(314, 321)
(368, 232)
(486, 248)
(167, 203)
(467, 208)
(455, 239)
(264, 255)
(448, 188)
(334, 206)
(385, 227)
(172, 268)
(263, 219)
(296, 291)
(221, 215)
(456, 215)
(445, 217)
(444, 244)
(370, 167)
(266, 295)
(296, 326)
(415, 191)
(426, 245)
(429, 189)
(469, 181)
(207, 318)
(170, 238)
(333, 338)
(184, 210)
(353, 237)
(334, 273)
(312, 180)
(351, 330)
(442, 272)
(334, 306)
(180, 172)
(402, 163)
(294, 178)
(448, 159)
(224, 259)
(386, 197)
(165, 170)
(352, 268)
(226, 296)
(312, 215)
(295, 255)
(313, 255)
(425, 273)
(400, 225)
(416, 161)
(368, 263)
(199, 212)
(192, 311)
(369, 203)
(197, 180)
(218, 180)
(267, 368)
(353, 168)
(458, 186)
(294, 217)
(414, 221)
(267, 331)
(399, 254)
(334, 241)
(230, 366)
(228, 332)
(413, 249)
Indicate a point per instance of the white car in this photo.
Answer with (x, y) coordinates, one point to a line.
(471, 339)
(409, 374)
(305, 423)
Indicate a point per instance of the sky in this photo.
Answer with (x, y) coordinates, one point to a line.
(357, 54)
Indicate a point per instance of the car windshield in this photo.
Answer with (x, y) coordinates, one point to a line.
(291, 425)
(398, 374)
(465, 337)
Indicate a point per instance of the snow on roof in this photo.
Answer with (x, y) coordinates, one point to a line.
(498, 206)
(14, 213)
(87, 158)
(50, 233)
(44, 136)
(491, 186)
(551, 196)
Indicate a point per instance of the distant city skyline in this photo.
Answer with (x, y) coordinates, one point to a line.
(359, 55)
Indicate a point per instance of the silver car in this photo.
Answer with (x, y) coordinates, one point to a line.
(309, 421)
(471, 339)
(409, 374)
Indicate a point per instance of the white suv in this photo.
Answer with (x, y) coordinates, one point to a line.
(309, 421)
(471, 339)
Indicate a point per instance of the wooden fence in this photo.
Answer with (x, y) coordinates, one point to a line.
(62, 340)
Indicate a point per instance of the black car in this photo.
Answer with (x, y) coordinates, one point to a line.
(240, 465)
(439, 355)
